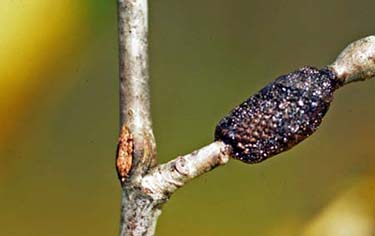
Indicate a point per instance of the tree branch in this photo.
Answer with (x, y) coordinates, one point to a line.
(135, 116)
(165, 179)
(136, 148)
(141, 204)
(146, 187)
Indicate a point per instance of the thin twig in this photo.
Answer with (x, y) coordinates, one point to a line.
(165, 179)
(357, 61)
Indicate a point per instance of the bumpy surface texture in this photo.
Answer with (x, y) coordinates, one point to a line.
(282, 114)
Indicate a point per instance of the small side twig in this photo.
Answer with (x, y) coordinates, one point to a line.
(165, 179)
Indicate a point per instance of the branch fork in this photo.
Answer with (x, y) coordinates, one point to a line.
(146, 186)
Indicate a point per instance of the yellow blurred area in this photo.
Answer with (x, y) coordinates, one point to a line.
(34, 36)
(351, 213)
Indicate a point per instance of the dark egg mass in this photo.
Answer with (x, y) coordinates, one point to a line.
(279, 116)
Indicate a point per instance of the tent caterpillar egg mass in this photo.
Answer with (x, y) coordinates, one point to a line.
(279, 116)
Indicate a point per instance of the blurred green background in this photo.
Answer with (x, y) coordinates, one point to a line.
(59, 115)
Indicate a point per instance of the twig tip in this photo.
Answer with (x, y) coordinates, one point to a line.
(357, 61)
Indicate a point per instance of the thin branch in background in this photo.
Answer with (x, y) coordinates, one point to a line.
(146, 187)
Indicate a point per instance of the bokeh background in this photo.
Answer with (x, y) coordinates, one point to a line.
(59, 117)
